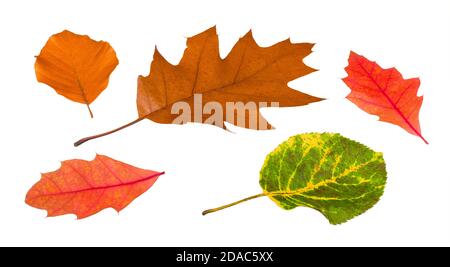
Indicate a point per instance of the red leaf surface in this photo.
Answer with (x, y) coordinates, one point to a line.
(87, 187)
(385, 93)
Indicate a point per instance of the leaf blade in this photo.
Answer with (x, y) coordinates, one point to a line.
(327, 172)
(84, 188)
(241, 75)
(385, 93)
(76, 66)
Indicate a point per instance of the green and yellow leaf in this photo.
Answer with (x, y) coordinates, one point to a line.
(337, 176)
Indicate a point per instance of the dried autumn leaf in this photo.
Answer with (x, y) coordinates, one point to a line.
(87, 187)
(332, 174)
(249, 74)
(385, 93)
(76, 66)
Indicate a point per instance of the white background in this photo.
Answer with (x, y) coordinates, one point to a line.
(206, 166)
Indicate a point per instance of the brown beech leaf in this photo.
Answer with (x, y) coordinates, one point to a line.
(76, 66)
(87, 187)
(250, 75)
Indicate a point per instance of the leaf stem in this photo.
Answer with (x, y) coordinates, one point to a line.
(233, 204)
(83, 140)
(90, 111)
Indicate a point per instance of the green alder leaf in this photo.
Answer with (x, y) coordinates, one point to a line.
(338, 177)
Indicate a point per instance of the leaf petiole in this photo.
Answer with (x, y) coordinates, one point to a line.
(83, 140)
(90, 111)
(233, 204)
